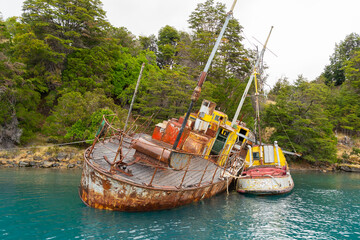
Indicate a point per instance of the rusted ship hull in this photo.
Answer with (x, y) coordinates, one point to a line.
(102, 190)
(265, 185)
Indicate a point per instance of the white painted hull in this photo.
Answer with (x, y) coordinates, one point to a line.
(265, 185)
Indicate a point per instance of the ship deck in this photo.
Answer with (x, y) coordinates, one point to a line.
(200, 172)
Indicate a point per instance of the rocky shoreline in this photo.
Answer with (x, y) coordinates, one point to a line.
(302, 165)
(332, 168)
(72, 158)
(64, 158)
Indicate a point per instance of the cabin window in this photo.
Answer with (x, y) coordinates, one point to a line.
(256, 155)
(216, 118)
(243, 132)
(224, 133)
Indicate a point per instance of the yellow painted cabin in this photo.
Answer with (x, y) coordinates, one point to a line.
(215, 124)
(270, 156)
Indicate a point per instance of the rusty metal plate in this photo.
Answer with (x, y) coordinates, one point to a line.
(179, 161)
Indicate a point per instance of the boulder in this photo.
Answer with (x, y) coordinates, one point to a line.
(55, 165)
(32, 163)
(46, 164)
(347, 168)
(10, 133)
(70, 165)
(24, 164)
(37, 158)
(61, 156)
(52, 159)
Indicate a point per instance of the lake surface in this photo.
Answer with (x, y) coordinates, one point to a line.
(44, 204)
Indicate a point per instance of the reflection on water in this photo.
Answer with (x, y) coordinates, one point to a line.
(45, 204)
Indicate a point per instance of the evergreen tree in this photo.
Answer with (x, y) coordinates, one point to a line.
(167, 42)
(165, 93)
(19, 116)
(77, 115)
(88, 69)
(300, 120)
(66, 24)
(334, 72)
(149, 43)
(352, 70)
(54, 30)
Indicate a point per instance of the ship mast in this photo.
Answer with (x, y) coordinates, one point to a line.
(257, 109)
(253, 75)
(250, 80)
(195, 95)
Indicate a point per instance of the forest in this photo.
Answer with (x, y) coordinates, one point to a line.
(63, 65)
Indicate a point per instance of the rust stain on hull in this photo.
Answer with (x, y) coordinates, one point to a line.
(100, 190)
(266, 185)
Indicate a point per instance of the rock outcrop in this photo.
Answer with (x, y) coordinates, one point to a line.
(10, 134)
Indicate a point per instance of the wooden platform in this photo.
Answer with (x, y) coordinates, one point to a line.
(142, 172)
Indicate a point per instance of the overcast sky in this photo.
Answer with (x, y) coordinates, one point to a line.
(303, 38)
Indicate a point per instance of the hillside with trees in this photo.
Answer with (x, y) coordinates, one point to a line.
(314, 112)
(63, 65)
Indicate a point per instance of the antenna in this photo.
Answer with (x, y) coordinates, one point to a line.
(266, 47)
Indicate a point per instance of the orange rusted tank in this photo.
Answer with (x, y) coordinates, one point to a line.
(195, 143)
(171, 131)
(159, 130)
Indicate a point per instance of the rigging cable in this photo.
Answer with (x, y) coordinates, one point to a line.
(283, 126)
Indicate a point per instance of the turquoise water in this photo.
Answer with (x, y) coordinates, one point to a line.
(44, 204)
